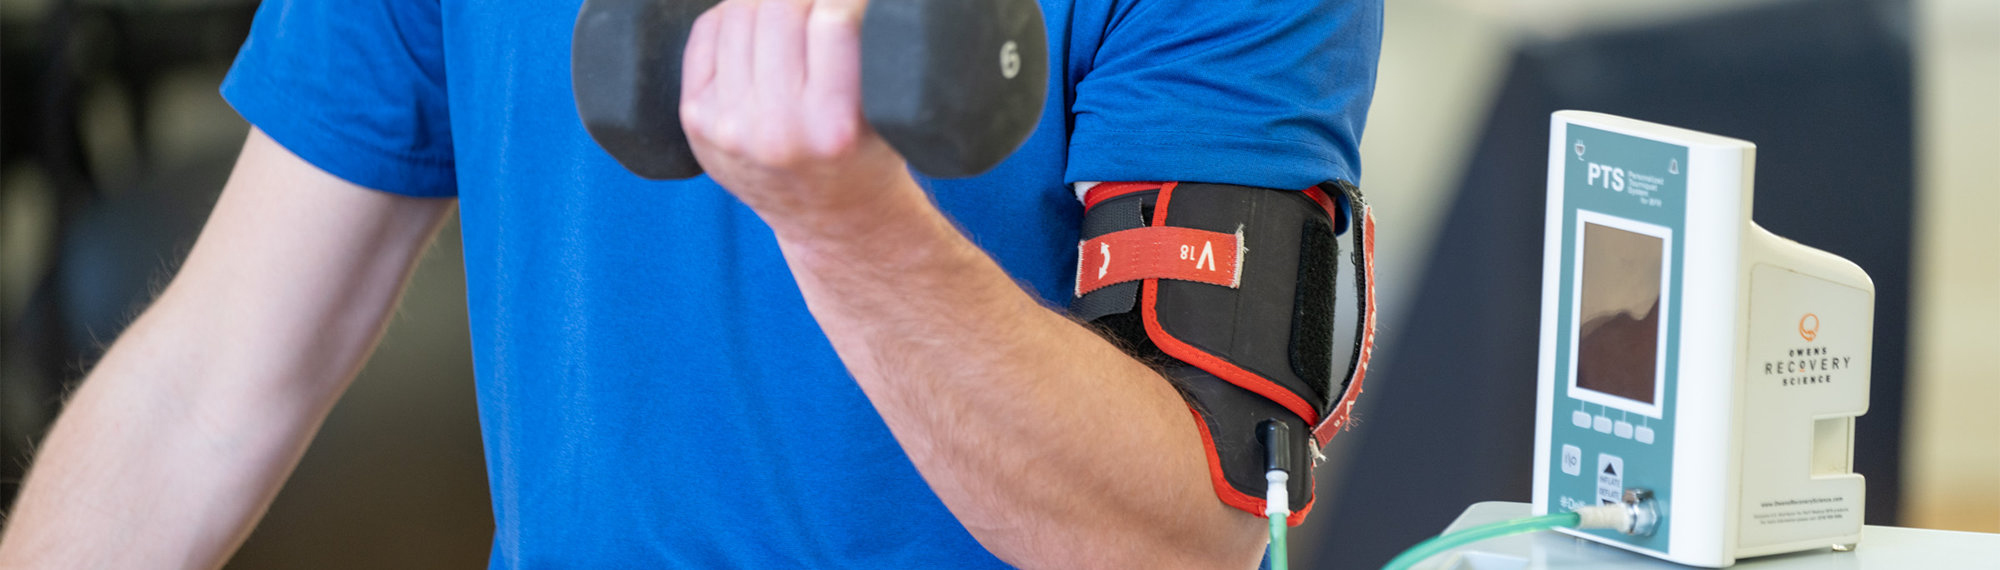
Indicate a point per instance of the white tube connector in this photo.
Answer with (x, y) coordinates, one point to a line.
(1604, 516)
(1277, 496)
(1635, 515)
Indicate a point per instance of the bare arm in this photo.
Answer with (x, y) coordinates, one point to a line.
(1054, 448)
(181, 436)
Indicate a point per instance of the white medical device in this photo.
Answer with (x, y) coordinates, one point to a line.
(1693, 365)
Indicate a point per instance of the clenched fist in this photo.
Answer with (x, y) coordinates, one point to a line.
(771, 104)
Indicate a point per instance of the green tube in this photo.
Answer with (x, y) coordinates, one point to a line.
(1426, 549)
(1278, 554)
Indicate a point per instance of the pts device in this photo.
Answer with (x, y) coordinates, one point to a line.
(1694, 367)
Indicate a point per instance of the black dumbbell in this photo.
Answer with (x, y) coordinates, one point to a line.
(953, 85)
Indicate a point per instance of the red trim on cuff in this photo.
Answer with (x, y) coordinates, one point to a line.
(1210, 363)
(1228, 493)
(1223, 490)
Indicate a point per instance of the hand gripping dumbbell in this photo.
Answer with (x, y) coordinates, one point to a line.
(953, 85)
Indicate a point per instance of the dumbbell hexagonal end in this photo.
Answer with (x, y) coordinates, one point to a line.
(625, 69)
(955, 86)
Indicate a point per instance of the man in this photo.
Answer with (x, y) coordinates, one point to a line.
(808, 358)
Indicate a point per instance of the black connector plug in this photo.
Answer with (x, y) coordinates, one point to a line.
(1277, 440)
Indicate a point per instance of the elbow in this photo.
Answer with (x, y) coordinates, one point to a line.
(1240, 549)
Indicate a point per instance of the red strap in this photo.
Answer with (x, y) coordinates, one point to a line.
(1158, 252)
(1108, 190)
(1325, 204)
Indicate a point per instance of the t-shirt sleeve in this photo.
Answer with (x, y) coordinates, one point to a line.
(355, 87)
(1269, 93)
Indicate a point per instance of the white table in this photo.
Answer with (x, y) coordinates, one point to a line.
(1881, 548)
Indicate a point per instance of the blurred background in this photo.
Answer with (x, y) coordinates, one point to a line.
(1878, 125)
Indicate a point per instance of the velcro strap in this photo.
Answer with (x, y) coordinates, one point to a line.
(1362, 223)
(1160, 252)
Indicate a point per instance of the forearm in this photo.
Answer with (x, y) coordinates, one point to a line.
(164, 458)
(1049, 444)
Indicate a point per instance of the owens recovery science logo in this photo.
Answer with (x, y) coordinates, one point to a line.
(1808, 365)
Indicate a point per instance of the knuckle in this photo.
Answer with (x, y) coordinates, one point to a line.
(767, 10)
(834, 141)
(724, 134)
(775, 146)
(695, 126)
(838, 13)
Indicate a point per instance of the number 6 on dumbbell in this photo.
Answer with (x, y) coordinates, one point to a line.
(953, 85)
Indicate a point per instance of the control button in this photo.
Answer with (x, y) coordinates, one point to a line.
(1644, 434)
(1572, 460)
(1610, 479)
(1603, 424)
(1622, 429)
(1580, 418)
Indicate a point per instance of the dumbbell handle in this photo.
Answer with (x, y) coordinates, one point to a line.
(955, 86)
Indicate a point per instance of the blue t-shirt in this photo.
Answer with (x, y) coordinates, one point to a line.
(652, 391)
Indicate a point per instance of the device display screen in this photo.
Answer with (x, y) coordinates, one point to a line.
(1619, 312)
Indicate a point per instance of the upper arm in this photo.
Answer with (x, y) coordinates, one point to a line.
(330, 203)
(1266, 93)
(298, 265)
(1251, 93)
(286, 228)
